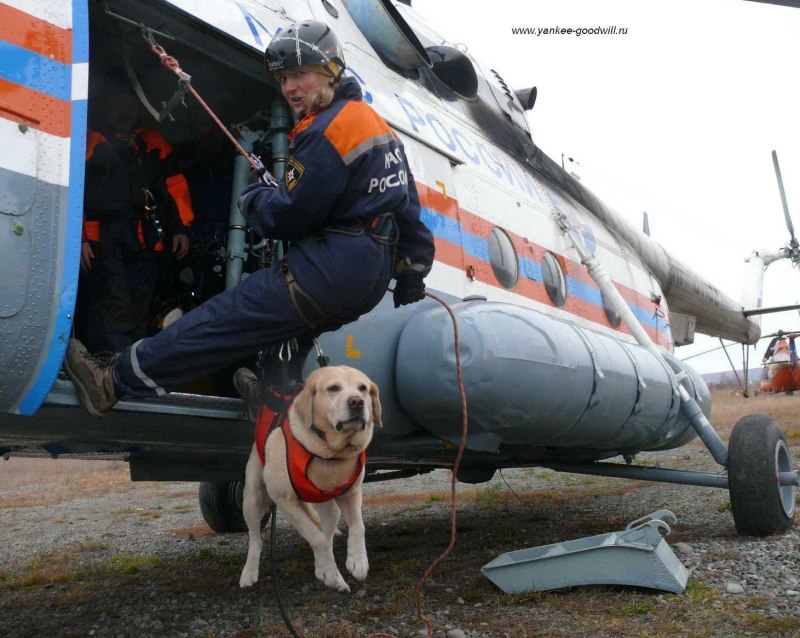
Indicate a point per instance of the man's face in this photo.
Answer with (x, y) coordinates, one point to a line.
(122, 112)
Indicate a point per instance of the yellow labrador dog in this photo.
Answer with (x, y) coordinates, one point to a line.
(317, 457)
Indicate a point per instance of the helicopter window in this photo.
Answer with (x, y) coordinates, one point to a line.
(613, 318)
(503, 258)
(554, 281)
(427, 36)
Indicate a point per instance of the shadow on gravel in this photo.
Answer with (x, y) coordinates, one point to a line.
(187, 583)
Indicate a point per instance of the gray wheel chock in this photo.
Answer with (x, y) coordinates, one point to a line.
(639, 556)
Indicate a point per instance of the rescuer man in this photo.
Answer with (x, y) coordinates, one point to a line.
(136, 206)
(349, 237)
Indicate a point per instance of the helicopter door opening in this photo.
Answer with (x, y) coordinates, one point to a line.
(43, 84)
(45, 183)
(193, 155)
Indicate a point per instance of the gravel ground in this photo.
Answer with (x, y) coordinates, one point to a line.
(124, 559)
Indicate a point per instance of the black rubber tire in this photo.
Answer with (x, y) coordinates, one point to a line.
(757, 451)
(221, 505)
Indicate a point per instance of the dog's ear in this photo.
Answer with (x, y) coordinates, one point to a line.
(303, 404)
(376, 405)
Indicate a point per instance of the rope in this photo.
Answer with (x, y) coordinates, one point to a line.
(172, 64)
(453, 527)
(462, 444)
(279, 416)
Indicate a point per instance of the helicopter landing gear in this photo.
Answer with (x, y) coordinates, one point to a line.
(757, 454)
(221, 505)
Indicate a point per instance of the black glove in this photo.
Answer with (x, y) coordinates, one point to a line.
(409, 288)
(255, 176)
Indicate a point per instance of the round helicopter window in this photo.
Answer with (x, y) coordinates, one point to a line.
(503, 258)
(613, 318)
(554, 281)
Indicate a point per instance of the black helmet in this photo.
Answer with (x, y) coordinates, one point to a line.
(306, 43)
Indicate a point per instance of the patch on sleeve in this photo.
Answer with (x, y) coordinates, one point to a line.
(294, 171)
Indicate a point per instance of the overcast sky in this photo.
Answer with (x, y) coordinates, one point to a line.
(677, 117)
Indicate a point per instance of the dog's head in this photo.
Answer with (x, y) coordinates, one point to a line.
(340, 406)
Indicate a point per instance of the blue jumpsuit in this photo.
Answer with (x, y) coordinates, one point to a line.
(347, 167)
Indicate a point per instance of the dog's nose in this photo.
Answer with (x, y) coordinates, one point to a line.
(355, 403)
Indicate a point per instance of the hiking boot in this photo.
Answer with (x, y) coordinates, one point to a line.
(247, 385)
(93, 377)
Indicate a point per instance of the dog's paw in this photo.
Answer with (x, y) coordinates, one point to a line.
(358, 566)
(331, 577)
(249, 577)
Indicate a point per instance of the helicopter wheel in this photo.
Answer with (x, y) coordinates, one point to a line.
(757, 452)
(221, 506)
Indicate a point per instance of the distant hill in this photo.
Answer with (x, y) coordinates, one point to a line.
(728, 378)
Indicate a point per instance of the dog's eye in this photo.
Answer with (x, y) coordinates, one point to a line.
(362, 388)
(334, 388)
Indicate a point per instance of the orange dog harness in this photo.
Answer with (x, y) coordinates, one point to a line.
(298, 460)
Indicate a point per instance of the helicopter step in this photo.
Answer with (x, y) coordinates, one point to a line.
(64, 394)
(638, 556)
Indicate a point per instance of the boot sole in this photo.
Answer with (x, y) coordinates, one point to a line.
(250, 415)
(83, 394)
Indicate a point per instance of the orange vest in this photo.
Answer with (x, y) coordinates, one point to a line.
(176, 185)
(298, 460)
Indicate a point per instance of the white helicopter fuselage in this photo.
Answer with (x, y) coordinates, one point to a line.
(492, 208)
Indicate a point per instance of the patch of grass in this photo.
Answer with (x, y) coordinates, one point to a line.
(775, 626)
(46, 577)
(73, 596)
(697, 593)
(411, 567)
(94, 546)
(129, 564)
(639, 607)
(489, 496)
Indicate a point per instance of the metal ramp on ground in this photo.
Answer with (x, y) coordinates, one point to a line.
(638, 556)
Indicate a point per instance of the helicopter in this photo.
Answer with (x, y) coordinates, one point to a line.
(780, 364)
(781, 372)
(568, 314)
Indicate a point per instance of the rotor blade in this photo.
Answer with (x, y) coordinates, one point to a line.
(769, 309)
(783, 198)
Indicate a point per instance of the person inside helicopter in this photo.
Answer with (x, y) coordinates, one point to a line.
(136, 218)
(350, 237)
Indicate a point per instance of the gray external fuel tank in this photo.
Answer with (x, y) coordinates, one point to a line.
(534, 380)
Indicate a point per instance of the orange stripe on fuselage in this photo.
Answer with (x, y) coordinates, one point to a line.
(39, 36)
(453, 255)
(436, 200)
(36, 110)
(356, 123)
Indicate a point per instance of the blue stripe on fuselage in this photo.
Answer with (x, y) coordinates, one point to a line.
(70, 229)
(450, 230)
(34, 71)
